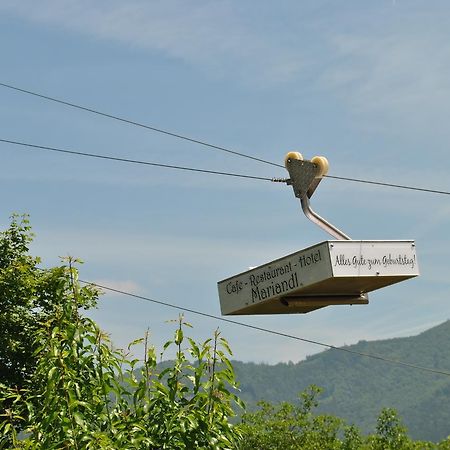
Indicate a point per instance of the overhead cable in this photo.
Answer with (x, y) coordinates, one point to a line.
(215, 172)
(138, 124)
(379, 183)
(132, 161)
(269, 331)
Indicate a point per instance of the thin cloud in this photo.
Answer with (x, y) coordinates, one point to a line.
(211, 35)
(401, 72)
(403, 75)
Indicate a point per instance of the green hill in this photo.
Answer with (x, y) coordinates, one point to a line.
(356, 388)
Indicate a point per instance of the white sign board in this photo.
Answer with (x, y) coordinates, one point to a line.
(366, 258)
(331, 269)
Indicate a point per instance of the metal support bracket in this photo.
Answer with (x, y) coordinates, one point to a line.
(305, 177)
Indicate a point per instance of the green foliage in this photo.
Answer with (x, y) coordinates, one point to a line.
(87, 395)
(289, 426)
(292, 427)
(28, 297)
(63, 385)
(391, 434)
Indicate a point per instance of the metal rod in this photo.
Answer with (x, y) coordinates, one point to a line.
(321, 222)
(305, 178)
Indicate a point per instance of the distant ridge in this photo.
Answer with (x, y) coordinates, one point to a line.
(356, 388)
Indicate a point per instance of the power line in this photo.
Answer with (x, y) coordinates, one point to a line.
(138, 124)
(399, 186)
(196, 141)
(269, 331)
(132, 161)
(169, 166)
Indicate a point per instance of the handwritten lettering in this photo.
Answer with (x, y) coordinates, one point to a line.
(385, 261)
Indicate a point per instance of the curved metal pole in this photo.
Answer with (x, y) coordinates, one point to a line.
(321, 222)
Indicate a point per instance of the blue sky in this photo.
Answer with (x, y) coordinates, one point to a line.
(364, 83)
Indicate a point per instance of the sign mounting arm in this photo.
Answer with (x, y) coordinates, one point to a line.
(305, 177)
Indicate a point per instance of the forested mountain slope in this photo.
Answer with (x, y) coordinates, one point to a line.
(356, 388)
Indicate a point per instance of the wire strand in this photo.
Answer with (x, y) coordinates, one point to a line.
(399, 186)
(132, 161)
(269, 331)
(215, 172)
(138, 124)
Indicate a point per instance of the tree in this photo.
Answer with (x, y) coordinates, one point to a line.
(65, 386)
(87, 395)
(28, 297)
(295, 426)
(84, 394)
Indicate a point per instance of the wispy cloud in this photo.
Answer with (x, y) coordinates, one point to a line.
(212, 35)
(401, 71)
(401, 74)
